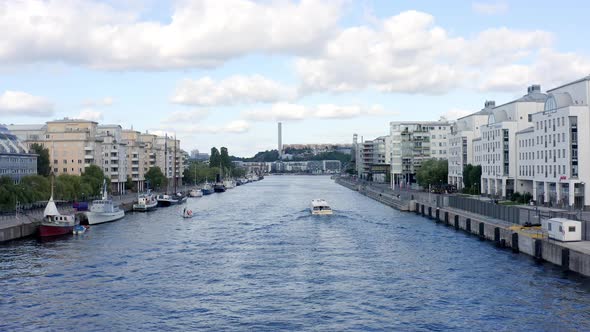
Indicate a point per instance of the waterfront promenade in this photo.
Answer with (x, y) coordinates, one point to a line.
(528, 240)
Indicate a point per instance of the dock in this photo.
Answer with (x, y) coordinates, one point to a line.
(571, 256)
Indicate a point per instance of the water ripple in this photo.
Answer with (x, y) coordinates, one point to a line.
(255, 259)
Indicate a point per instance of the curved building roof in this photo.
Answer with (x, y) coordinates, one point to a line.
(9, 143)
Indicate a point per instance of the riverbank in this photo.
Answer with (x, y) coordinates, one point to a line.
(571, 256)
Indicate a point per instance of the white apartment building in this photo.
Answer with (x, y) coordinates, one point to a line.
(461, 138)
(552, 151)
(497, 148)
(411, 144)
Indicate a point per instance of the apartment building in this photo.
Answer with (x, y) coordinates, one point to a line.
(461, 142)
(137, 157)
(497, 148)
(75, 144)
(373, 158)
(553, 150)
(414, 142)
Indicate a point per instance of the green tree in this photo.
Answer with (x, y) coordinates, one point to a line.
(155, 177)
(215, 158)
(129, 184)
(43, 165)
(93, 177)
(432, 172)
(224, 159)
(472, 178)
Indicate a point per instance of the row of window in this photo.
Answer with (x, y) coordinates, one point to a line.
(550, 170)
(15, 160)
(18, 171)
(550, 123)
(557, 153)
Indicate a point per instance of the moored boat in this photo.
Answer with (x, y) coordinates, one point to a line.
(104, 210)
(145, 202)
(79, 229)
(195, 193)
(166, 200)
(219, 187)
(207, 189)
(55, 223)
(320, 207)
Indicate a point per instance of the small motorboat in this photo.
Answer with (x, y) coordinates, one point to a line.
(320, 207)
(196, 193)
(186, 213)
(79, 229)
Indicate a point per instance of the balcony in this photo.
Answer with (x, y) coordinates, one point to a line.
(88, 156)
(134, 159)
(88, 148)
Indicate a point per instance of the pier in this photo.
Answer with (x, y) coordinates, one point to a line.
(571, 256)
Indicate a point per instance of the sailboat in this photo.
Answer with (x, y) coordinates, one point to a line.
(196, 192)
(104, 210)
(55, 223)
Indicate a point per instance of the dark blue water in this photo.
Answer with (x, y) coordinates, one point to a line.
(254, 259)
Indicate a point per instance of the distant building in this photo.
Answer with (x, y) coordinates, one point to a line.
(15, 159)
(414, 142)
(374, 156)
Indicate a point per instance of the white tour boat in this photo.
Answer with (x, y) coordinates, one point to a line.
(103, 210)
(320, 207)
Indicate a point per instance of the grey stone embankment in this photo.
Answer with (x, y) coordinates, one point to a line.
(571, 256)
(27, 224)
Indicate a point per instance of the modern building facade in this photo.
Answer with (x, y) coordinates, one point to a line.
(414, 142)
(15, 160)
(460, 145)
(498, 144)
(552, 152)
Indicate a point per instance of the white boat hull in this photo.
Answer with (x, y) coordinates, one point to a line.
(102, 217)
(144, 207)
(322, 212)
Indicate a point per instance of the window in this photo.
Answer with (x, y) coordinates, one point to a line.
(549, 226)
(572, 229)
(561, 229)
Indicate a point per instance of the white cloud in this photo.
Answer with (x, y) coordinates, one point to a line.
(15, 103)
(196, 115)
(187, 129)
(90, 114)
(490, 8)
(230, 91)
(295, 112)
(456, 113)
(408, 53)
(202, 33)
(106, 101)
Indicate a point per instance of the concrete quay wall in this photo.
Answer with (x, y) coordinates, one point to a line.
(541, 249)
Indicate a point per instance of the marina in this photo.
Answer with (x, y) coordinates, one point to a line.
(361, 269)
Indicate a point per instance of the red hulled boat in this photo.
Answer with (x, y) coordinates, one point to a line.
(55, 223)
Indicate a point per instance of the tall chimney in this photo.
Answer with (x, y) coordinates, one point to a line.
(280, 141)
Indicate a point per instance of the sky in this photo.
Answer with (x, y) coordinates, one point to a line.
(224, 72)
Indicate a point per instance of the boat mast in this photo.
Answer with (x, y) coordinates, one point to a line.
(174, 174)
(166, 161)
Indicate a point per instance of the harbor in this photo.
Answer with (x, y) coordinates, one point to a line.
(570, 256)
(26, 223)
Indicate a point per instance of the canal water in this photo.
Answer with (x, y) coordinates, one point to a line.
(255, 259)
